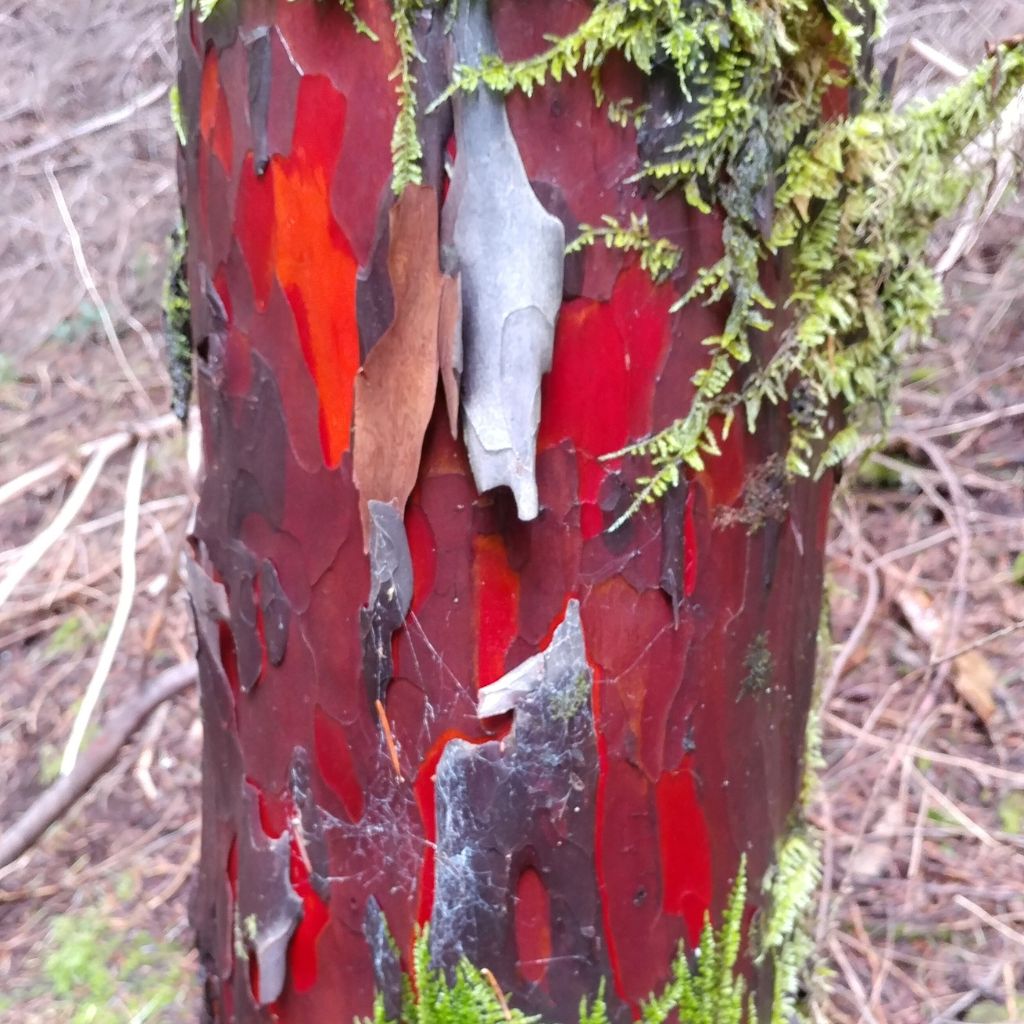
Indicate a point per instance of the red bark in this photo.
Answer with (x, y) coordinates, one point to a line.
(598, 838)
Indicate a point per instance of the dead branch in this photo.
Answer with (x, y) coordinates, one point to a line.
(51, 805)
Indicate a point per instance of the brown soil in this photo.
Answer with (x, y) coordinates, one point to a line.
(922, 805)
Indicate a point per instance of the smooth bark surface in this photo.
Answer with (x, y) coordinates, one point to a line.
(648, 688)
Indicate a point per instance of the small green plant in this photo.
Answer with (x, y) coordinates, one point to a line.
(102, 976)
(79, 325)
(658, 256)
(705, 987)
(71, 636)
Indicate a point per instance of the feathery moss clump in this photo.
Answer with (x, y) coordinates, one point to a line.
(705, 988)
(846, 206)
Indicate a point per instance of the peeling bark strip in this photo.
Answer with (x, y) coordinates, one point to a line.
(396, 386)
(578, 754)
(510, 252)
(390, 595)
(268, 907)
(499, 806)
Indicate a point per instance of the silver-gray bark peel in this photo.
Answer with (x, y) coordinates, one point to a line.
(269, 909)
(497, 801)
(390, 594)
(510, 253)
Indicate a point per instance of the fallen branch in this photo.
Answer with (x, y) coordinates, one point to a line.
(93, 124)
(51, 805)
(123, 438)
(47, 537)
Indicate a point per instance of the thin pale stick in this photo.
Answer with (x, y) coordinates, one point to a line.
(31, 477)
(90, 286)
(93, 124)
(133, 495)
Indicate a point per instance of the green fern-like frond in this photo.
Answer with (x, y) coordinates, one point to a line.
(705, 987)
(784, 938)
(406, 148)
(658, 256)
(429, 997)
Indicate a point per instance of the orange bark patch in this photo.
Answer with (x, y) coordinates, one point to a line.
(214, 116)
(314, 261)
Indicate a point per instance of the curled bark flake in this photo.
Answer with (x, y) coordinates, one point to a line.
(268, 907)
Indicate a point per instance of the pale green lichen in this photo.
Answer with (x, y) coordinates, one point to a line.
(566, 704)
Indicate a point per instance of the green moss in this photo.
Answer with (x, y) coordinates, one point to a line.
(855, 208)
(178, 322)
(760, 666)
(406, 149)
(705, 988)
(100, 974)
(848, 205)
(658, 256)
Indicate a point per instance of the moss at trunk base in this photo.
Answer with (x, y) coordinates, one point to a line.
(706, 987)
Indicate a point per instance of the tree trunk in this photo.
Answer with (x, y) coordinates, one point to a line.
(437, 690)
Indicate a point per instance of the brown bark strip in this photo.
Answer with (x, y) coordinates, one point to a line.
(395, 389)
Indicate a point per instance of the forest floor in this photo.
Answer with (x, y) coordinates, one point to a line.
(921, 807)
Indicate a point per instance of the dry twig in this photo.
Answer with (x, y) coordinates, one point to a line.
(133, 496)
